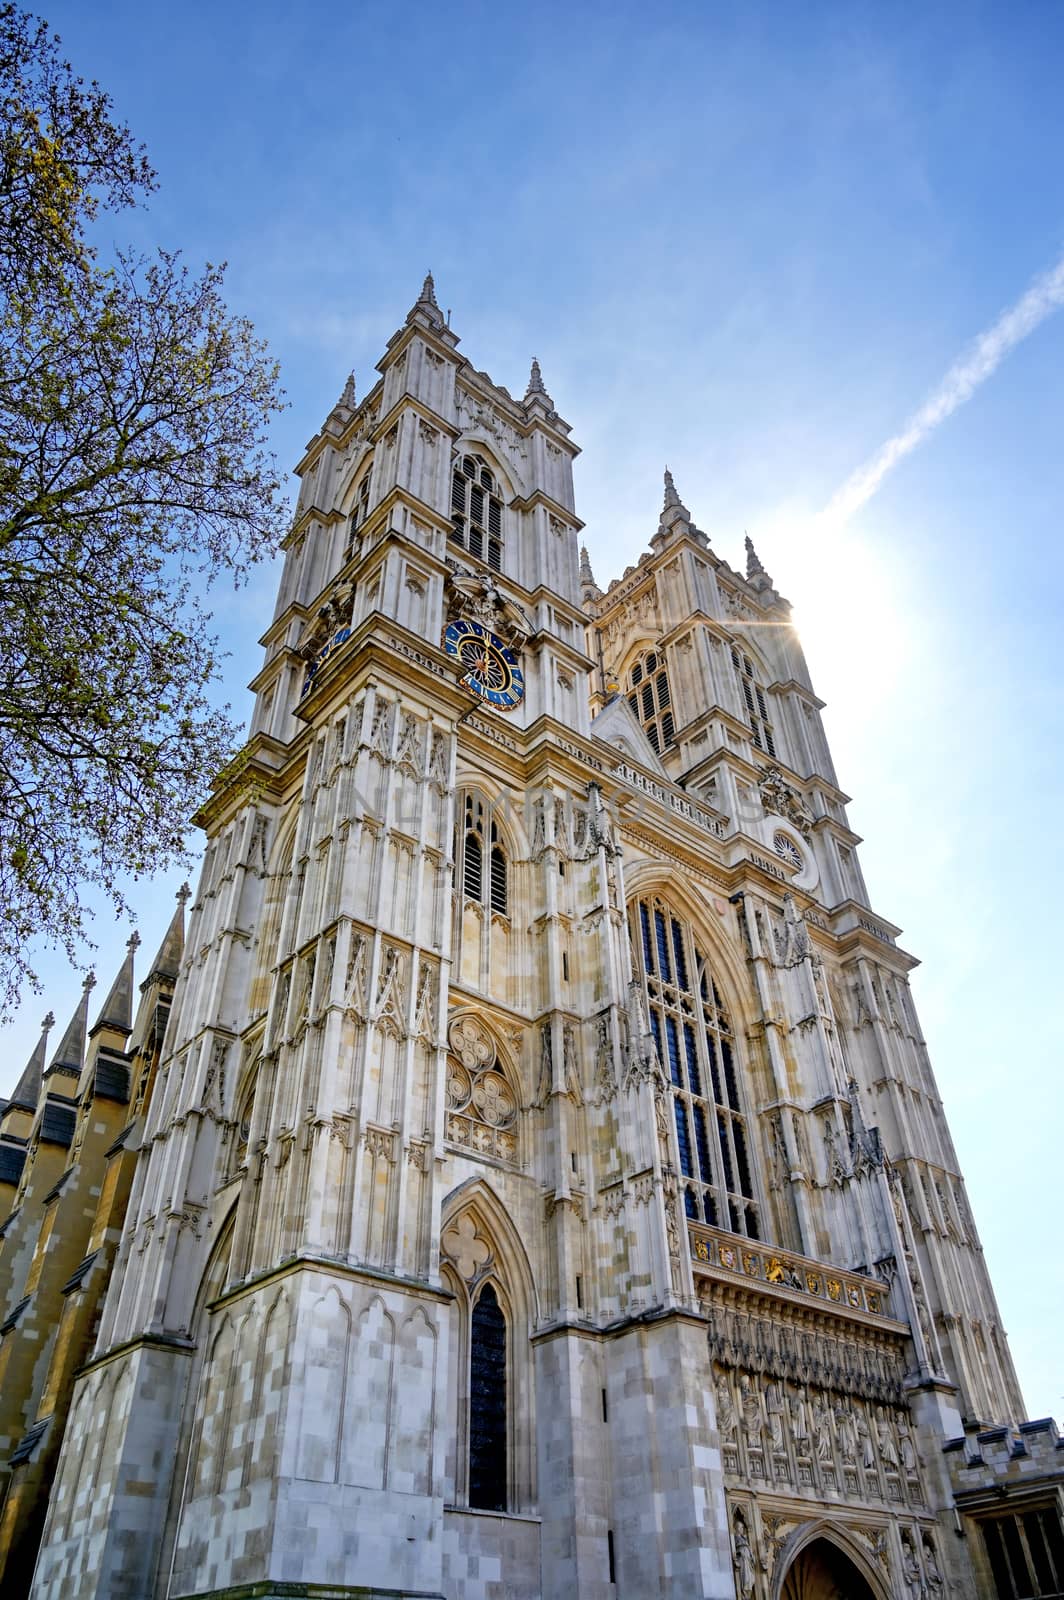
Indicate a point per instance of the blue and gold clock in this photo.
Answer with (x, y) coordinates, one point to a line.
(489, 666)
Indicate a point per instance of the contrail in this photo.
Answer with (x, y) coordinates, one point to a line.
(960, 383)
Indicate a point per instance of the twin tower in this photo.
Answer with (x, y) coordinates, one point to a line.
(539, 1188)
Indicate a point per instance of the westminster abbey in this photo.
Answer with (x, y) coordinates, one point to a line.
(521, 1176)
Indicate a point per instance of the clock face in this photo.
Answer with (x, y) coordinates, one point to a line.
(489, 667)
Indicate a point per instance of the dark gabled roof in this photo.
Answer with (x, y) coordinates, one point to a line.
(8, 1220)
(79, 1274)
(29, 1442)
(12, 1161)
(16, 1312)
(120, 1142)
(57, 1188)
(57, 1123)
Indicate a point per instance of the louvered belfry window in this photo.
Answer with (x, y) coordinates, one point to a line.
(753, 702)
(476, 510)
(480, 838)
(698, 1051)
(487, 1403)
(651, 700)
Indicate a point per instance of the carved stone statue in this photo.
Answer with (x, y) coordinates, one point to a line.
(885, 1434)
(751, 1404)
(847, 1433)
(864, 1435)
(743, 1558)
(931, 1567)
(822, 1428)
(726, 1418)
(800, 1421)
(910, 1567)
(774, 1408)
(906, 1448)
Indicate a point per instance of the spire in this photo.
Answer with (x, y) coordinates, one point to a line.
(672, 499)
(167, 963)
(117, 1009)
(29, 1085)
(71, 1051)
(755, 572)
(348, 397)
(425, 308)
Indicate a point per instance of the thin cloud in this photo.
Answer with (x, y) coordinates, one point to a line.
(1044, 296)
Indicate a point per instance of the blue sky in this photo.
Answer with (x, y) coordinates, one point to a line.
(749, 242)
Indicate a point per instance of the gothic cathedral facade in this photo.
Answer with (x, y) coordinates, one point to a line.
(544, 1191)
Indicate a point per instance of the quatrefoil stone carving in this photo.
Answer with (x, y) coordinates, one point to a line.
(464, 1246)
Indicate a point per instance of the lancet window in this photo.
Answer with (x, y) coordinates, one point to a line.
(481, 863)
(487, 1403)
(476, 510)
(754, 702)
(359, 512)
(491, 1463)
(698, 1051)
(650, 699)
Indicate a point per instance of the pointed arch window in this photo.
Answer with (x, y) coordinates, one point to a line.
(650, 698)
(481, 863)
(476, 510)
(754, 703)
(698, 1051)
(487, 1403)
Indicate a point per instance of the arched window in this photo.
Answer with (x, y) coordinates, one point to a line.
(753, 701)
(697, 1049)
(476, 510)
(359, 511)
(487, 1403)
(479, 838)
(649, 698)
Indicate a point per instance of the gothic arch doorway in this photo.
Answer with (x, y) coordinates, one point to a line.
(822, 1572)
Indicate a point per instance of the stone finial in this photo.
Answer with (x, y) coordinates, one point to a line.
(673, 513)
(49, 1022)
(89, 981)
(536, 386)
(133, 942)
(183, 894)
(425, 307)
(590, 588)
(753, 565)
(348, 396)
(755, 572)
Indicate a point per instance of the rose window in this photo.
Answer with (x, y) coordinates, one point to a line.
(481, 1105)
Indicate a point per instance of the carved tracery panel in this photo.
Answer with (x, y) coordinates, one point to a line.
(482, 1107)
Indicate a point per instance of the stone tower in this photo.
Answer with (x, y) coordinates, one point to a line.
(545, 1190)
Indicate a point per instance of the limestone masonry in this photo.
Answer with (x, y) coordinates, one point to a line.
(524, 1176)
